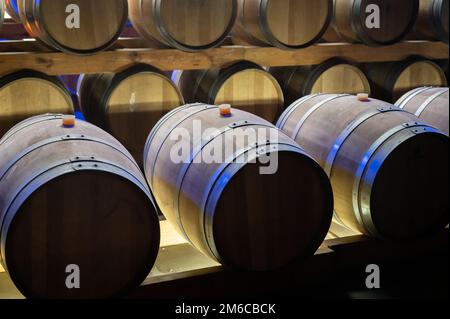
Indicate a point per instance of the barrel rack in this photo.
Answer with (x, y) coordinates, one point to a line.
(180, 270)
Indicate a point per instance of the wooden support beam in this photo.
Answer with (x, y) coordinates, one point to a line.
(55, 63)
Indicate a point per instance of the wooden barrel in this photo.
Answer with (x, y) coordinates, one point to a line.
(11, 8)
(428, 103)
(388, 170)
(374, 22)
(74, 26)
(432, 23)
(245, 85)
(73, 202)
(228, 207)
(332, 76)
(391, 80)
(128, 104)
(286, 24)
(189, 25)
(27, 93)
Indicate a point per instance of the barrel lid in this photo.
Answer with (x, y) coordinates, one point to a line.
(135, 101)
(112, 242)
(195, 24)
(258, 217)
(248, 87)
(416, 72)
(396, 18)
(336, 76)
(409, 196)
(27, 93)
(100, 23)
(295, 24)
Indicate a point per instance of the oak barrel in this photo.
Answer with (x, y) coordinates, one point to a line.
(432, 23)
(286, 24)
(74, 26)
(229, 207)
(391, 80)
(128, 104)
(428, 103)
(189, 25)
(332, 76)
(374, 22)
(245, 85)
(26, 93)
(389, 171)
(73, 197)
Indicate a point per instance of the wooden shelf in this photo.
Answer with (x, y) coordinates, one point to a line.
(55, 63)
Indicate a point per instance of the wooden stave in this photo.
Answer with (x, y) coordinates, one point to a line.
(153, 150)
(304, 78)
(322, 151)
(247, 32)
(95, 90)
(29, 16)
(122, 166)
(383, 76)
(430, 104)
(348, 27)
(32, 74)
(156, 35)
(204, 85)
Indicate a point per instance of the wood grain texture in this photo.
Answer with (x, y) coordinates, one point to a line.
(101, 23)
(168, 60)
(397, 17)
(391, 80)
(332, 76)
(244, 85)
(26, 95)
(282, 23)
(185, 24)
(430, 104)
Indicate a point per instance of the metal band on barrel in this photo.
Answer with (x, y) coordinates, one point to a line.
(364, 217)
(218, 182)
(57, 169)
(58, 139)
(195, 152)
(160, 123)
(291, 109)
(404, 100)
(430, 100)
(205, 107)
(311, 111)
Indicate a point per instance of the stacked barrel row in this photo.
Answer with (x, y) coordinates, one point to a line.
(374, 153)
(73, 196)
(85, 27)
(128, 104)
